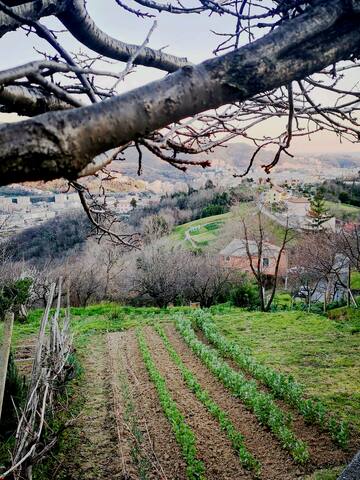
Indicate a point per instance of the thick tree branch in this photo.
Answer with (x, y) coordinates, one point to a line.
(79, 23)
(63, 143)
(28, 101)
(30, 10)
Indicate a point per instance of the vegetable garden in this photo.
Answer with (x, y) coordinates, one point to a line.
(175, 398)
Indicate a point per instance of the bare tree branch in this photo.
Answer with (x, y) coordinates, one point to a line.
(77, 20)
(62, 144)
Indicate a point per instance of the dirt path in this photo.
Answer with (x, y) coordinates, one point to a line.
(97, 454)
(24, 355)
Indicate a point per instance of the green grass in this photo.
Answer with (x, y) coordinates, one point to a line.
(206, 230)
(355, 280)
(282, 386)
(327, 474)
(321, 354)
(342, 210)
(179, 231)
(282, 299)
(96, 319)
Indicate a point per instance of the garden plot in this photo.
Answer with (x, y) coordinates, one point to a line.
(161, 413)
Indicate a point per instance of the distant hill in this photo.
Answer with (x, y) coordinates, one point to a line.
(234, 158)
(225, 162)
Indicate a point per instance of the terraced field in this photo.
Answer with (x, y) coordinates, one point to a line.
(192, 394)
(169, 402)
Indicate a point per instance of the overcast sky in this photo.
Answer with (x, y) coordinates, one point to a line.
(187, 35)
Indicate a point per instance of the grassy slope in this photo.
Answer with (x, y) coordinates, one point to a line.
(178, 234)
(204, 237)
(340, 209)
(322, 354)
(355, 280)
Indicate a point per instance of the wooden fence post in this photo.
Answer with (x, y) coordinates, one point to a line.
(4, 354)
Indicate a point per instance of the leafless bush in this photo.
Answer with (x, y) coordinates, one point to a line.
(168, 274)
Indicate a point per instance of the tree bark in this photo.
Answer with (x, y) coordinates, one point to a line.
(60, 144)
(30, 10)
(29, 101)
(79, 23)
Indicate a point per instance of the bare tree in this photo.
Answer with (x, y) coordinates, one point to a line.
(320, 266)
(156, 226)
(349, 244)
(207, 280)
(260, 253)
(274, 63)
(161, 273)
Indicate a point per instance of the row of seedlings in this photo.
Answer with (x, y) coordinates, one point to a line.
(185, 437)
(282, 386)
(260, 403)
(235, 437)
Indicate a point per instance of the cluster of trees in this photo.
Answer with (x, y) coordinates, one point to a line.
(66, 235)
(334, 190)
(160, 274)
(185, 207)
(343, 192)
(166, 274)
(219, 204)
(322, 262)
(51, 240)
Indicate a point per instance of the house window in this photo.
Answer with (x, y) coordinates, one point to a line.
(227, 259)
(265, 262)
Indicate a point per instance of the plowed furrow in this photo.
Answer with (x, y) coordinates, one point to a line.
(213, 447)
(159, 443)
(276, 463)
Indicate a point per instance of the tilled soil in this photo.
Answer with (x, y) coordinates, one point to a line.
(213, 447)
(323, 451)
(123, 433)
(276, 463)
(159, 444)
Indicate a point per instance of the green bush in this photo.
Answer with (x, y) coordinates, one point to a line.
(212, 210)
(245, 295)
(13, 295)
